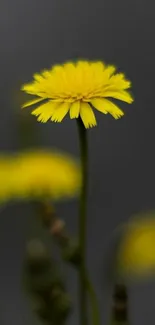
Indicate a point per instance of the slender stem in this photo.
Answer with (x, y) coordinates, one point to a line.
(120, 301)
(82, 224)
(93, 300)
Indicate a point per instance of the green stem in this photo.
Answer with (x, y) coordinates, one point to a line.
(94, 302)
(119, 309)
(83, 223)
(84, 281)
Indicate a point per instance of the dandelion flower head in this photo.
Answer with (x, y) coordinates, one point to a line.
(47, 173)
(77, 88)
(6, 176)
(39, 174)
(136, 256)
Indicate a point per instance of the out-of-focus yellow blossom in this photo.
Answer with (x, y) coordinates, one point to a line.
(6, 177)
(40, 173)
(136, 254)
(46, 173)
(75, 88)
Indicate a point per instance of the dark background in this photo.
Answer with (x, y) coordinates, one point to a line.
(35, 34)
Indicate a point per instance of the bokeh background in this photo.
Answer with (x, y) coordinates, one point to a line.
(35, 34)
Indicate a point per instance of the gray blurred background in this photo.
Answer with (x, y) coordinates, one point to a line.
(35, 34)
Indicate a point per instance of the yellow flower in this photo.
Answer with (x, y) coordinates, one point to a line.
(76, 88)
(39, 174)
(6, 185)
(136, 255)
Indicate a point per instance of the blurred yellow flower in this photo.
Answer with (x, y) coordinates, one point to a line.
(6, 176)
(136, 255)
(39, 173)
(76, 88)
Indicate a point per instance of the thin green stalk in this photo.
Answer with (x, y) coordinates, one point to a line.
(85, 285)
(82, 224)
(93, 300)
(119, 309)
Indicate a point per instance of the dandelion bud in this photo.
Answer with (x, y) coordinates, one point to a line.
(57, 227)
(63, 305)
(71, 253)
(37, 256)
(45, 285)
(39, 307)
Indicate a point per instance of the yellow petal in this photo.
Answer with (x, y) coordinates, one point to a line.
(99, 105)
(32, 102)
(30, 88)
(119, 81)
(46, 74)
(45, 111)
(97, 67)
(60, 111)
(69, 73)
(38, 77)
(108, 72)
(105, 105)
(87, 115)
(69, 68)
(121, 95)
(75, 110)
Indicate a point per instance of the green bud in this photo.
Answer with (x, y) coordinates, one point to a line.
(40, 308)
(54, 309)
(71, 253)
(62, 305)
(37, 259)
(43, 284)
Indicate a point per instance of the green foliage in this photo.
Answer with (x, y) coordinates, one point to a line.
(45, 285)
